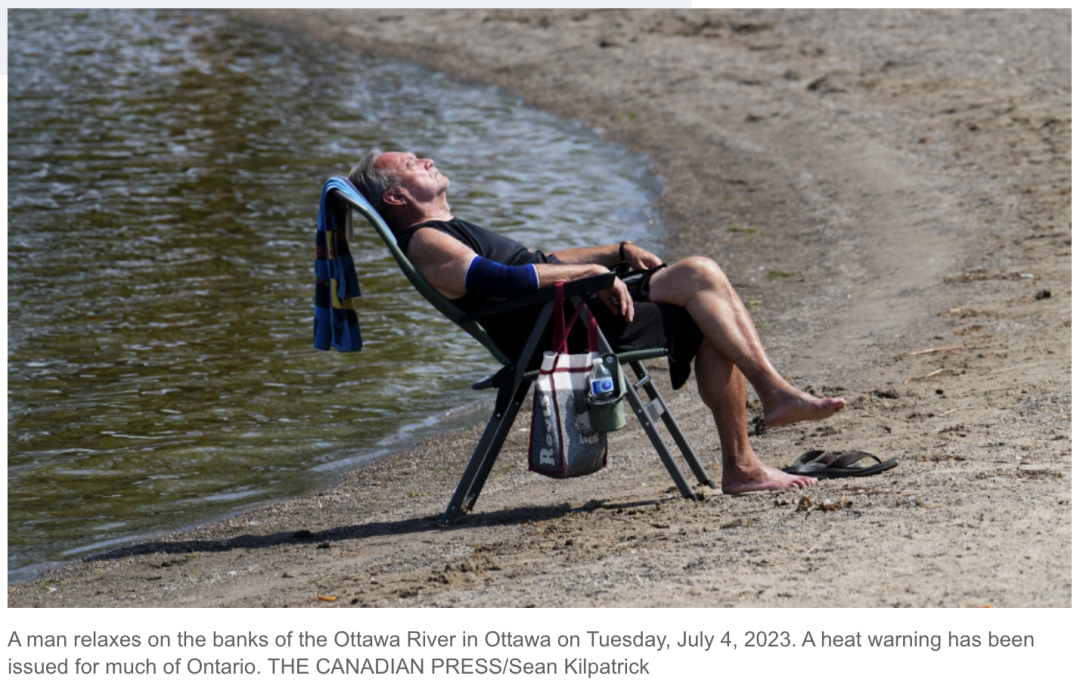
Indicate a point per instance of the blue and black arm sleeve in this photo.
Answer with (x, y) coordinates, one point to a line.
(493, 279)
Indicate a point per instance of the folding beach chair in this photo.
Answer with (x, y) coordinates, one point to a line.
(513, 380)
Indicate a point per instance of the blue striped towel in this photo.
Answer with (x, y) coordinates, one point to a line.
(336, 285)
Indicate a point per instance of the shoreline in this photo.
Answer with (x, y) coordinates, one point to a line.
(879, 194)
(398, 444)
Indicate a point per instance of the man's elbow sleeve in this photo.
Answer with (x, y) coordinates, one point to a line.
(500, 281)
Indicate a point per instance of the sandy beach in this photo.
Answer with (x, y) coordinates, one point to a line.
(890, 193)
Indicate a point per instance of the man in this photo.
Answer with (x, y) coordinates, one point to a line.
(688, 307)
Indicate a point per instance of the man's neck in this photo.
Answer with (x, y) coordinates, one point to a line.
(434, 211)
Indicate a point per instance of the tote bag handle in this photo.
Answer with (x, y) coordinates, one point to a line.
(561, 332)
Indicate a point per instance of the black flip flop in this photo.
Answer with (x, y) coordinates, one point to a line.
(825, 464)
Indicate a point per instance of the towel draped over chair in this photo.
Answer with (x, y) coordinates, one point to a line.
(336, 285)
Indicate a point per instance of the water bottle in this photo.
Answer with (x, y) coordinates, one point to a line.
(601, 385)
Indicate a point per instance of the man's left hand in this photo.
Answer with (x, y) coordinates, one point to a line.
(640, 259)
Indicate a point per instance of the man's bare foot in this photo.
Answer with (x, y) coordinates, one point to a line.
(763, 477)
(801, 407)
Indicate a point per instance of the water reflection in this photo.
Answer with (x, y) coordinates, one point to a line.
(164, 170)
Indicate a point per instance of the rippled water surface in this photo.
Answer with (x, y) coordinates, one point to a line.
(164, 173)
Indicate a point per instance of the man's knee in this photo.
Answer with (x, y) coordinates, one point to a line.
(706, 270)
(687, 278)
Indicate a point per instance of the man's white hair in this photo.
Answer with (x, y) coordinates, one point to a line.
(374, 182)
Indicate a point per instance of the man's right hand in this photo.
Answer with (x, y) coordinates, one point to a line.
(618, 300)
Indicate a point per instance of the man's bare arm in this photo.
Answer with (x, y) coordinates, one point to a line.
(608, 256)
(443, 261)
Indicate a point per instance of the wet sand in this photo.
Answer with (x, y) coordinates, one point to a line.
(890, 192)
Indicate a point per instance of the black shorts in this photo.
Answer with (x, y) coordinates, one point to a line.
(655, 325)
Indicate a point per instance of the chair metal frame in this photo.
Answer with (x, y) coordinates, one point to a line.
(514, 380)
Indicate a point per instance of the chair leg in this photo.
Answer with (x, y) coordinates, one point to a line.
(512, 392)
(487, 450)
(673, 428)
(507, 421)
(645, 416)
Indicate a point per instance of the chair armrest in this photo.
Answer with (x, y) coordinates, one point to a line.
(576, 287)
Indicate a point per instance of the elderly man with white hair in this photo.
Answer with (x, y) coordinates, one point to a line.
(688, 307)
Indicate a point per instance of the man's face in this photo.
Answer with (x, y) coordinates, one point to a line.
(420, 179)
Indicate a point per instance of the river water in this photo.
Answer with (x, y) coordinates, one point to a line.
(163, 175)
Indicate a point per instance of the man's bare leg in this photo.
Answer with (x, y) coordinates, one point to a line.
(723, 390)
(700, 286)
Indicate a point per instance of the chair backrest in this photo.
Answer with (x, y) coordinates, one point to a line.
(341, 188)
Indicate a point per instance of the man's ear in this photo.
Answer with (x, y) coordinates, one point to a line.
(394, 197)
